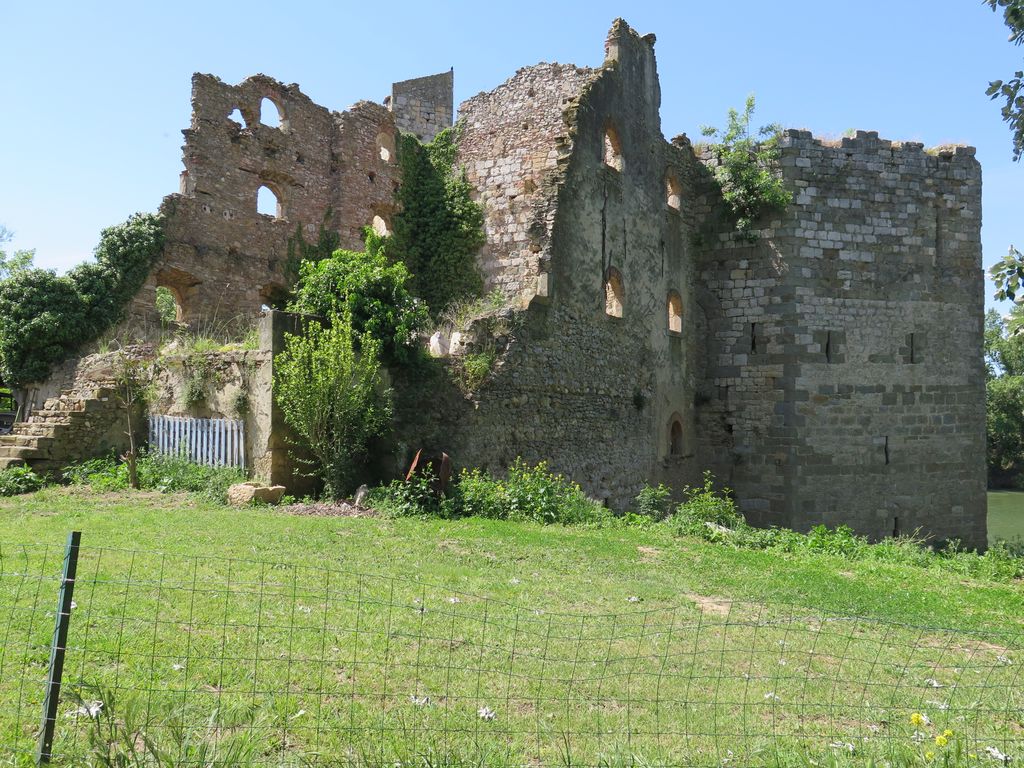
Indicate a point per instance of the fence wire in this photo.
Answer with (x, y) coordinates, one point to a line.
(204, 661)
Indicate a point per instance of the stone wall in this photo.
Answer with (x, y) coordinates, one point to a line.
(511, 142)
(849, 343)
(423, 106)
(222, 259)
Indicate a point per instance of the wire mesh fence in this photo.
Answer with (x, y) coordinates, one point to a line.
(203, 661)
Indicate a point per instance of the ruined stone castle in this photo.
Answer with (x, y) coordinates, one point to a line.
(829, 372)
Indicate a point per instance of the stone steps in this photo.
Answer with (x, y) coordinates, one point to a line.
(42, 441)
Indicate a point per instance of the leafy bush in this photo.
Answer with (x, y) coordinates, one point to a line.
(747, 168)
(45, 318)
(706, 511)
(439, 228)
(333, 398)
(15, 481)
(369, 290)
(528, 493)
(653, 502)
(157, 472)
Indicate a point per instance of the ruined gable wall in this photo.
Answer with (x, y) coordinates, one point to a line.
(593, 394)
(423, 106)
(510, 145)
(863, 403)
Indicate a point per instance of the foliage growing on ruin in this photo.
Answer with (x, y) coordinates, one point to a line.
(439, 227)
(1012, 90)
(363, 286)
(747, 168)
(1007, 274)
(334, 398)
(44, 317)
(300, 252)
(12, 263)
(166, 306)
(472, 369)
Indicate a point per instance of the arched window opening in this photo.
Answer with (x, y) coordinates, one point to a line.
(268, 203)
(612, 149)
(168, 305)
(386, 146)
(614, 292)
(236, 116)
(675, 437)
(673, 191)
(271, 114)
(675, 312)
(380, 226)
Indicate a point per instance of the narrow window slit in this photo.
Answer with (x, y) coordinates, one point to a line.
(885, 448)
(753, 338)
(828, 347)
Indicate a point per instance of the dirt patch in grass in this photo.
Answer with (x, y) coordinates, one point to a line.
(328, 509)
(716, 606)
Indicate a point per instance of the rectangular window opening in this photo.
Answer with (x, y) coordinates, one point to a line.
(895, 527)
(753, 338)
(912, 360)
(885, 448)
(828, 347)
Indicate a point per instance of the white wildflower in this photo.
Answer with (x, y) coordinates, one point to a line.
(420, 701)
(454, 600)
(73, 605)
(88, 708)
(1004, 660)
(844, 745)
(770, 696)
(298, 714)
(633, 599)
(940, 705)
(177, 667)
(933, 683)
(996, 754)
(917, 737)
(514, 580)
(485, 713)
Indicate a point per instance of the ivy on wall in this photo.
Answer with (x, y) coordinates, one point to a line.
(45, 317)
(439, 228)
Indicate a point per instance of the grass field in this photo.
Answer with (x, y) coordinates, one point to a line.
(374, 641)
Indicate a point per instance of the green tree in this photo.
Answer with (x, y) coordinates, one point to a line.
(333, 398)
(1004, 398)
(1011, 90)
(44, 317)
(363, 286)
(747, 168)
(13, 263)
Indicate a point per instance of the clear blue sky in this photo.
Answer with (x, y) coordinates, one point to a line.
(95, 94)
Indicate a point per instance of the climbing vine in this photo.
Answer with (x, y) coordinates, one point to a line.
(45, 317)
(439, 228)
(747, 168)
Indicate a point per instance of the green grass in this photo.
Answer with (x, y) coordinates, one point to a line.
(589, 643)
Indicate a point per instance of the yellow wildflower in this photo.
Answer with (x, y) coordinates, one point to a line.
(941, 740)
(917, 719)
(947, 733)
(929, 755)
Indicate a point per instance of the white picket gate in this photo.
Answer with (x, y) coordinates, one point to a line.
(213, 442)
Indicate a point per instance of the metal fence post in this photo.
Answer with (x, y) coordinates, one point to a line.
(58, 648)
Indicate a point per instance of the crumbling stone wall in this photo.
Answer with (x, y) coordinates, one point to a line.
(510, 145)
(222, 259)
(423, 106)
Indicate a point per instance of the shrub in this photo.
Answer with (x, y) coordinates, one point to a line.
(706, 511)
(15, 481)
(333, 398)
(747, 168)
(369, 290)
(654, 502)
(528, 493)
(157, 472)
